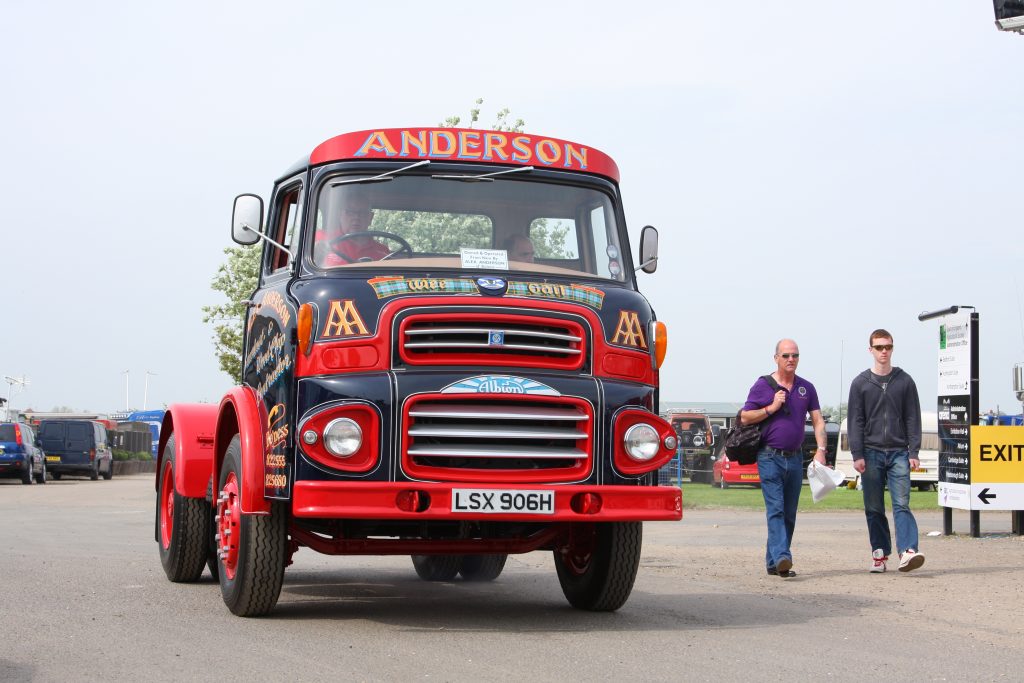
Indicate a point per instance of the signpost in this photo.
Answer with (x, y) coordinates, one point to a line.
(957, 408)
(980, 467)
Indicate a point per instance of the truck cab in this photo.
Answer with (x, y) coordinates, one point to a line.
(447, 356)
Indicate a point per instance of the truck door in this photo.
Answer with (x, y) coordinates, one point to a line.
(269, 360)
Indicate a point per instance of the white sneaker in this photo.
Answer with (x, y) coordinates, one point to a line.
(910, 559)
(878, 559)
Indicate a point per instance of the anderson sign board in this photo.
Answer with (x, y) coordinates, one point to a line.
(957, 367)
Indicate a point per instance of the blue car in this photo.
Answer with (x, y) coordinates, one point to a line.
(20, 456)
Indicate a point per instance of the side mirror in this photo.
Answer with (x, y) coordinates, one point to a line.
(246, 218)
(649, 249)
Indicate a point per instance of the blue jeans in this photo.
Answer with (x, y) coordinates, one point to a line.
(782, 479)
(892, 467)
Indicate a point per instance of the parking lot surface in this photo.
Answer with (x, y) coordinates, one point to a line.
(85, 599)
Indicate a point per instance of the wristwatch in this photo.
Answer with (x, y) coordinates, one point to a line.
(823, 449)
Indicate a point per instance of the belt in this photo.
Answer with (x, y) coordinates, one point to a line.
(779, 451)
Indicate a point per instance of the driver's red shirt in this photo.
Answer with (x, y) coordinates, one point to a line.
(356, 248)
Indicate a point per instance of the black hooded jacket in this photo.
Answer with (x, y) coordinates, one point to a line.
(884, 419)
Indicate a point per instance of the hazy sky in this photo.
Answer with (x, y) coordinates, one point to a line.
(816, 169)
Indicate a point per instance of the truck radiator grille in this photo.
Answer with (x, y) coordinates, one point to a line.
(492, 339)
(498, 439)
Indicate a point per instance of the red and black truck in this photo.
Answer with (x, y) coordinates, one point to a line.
(446, 357)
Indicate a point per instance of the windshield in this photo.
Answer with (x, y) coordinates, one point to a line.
(502, 223)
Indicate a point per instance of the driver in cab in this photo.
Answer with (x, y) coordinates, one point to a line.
(344, 241)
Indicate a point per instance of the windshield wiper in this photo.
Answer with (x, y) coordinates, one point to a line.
(383, 177)
(484, 177)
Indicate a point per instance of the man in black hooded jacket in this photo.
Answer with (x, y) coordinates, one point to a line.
(884, 428)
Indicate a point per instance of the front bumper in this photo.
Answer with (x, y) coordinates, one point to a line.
(380, 500)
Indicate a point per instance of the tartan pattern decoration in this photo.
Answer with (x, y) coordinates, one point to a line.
(397, 286)
(386, 287)
(577, 293)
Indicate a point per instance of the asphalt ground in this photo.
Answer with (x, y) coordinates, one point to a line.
(85, 599)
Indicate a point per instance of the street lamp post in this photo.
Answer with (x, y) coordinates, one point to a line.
(127, 374)
(11, 381)
(145, 391)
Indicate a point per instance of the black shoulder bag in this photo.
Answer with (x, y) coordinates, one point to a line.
(742, 442)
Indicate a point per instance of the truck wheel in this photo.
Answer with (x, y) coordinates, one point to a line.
(26, 476)
(251, 549)
(94, 473)
(437, 567)
(41, 477)
(482, 567)
(211, 550)
(598, 564)
(181, 525)
(109, 474)
(57, 475)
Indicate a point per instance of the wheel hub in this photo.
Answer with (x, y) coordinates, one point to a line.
(228, 520)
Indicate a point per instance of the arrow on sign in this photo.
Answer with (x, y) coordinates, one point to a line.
(984, 496)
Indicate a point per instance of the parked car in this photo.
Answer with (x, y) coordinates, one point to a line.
(696, 443)
(925, 477)
(727, 473)
(19, 454)
(810, 445)
(76, 447)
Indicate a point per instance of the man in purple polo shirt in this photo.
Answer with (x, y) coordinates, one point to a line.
(782, 410)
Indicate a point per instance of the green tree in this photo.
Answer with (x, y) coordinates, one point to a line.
(238, 276)
(501, 120)
(236, 279)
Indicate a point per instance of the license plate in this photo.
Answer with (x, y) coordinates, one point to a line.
(919, 469)
(491, 501)
(53, 458)
(750, 476)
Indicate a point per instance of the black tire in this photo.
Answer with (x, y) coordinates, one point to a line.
(94, 473)
(724, 484)
(181, 525)
(482, 567)
(56, 475)
(437, 567)
(109, 474)
(251, 558)
(598, 564)
(211, 550)
(41, 477)
(26, 476)
(924, 486)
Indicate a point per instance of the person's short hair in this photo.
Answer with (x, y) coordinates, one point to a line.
(878, 334)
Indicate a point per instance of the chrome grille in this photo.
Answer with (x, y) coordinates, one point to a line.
(527, 340)
(498, 434)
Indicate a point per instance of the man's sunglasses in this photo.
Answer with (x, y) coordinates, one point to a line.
(787, 356)
(882, 347)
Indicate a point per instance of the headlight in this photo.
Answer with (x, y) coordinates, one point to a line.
(641, 441)
(343, 437)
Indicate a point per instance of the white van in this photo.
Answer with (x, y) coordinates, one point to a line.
(924, 477)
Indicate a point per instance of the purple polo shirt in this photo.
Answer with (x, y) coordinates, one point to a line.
(782, 431)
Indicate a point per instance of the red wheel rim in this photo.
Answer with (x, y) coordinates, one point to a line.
(166, 507)
(579, 551)
(229, 518)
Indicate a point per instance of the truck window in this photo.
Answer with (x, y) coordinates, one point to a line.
(416, 221)
(554, 238)
(289, 211)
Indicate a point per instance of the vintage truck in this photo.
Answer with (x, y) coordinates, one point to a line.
(446, 357)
